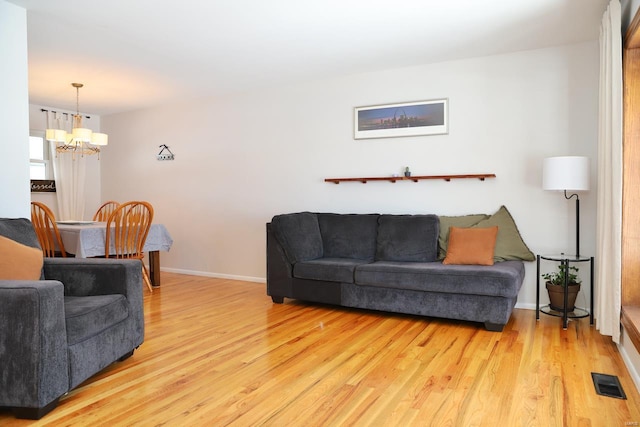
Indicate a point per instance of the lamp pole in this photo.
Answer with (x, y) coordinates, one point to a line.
(577, 220)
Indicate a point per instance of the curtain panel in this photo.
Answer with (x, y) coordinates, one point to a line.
(608, 290)
(69, 171)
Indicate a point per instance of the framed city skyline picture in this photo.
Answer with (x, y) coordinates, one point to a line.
(402, 119)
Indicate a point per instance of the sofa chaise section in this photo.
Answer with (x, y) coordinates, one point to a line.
(484, 294)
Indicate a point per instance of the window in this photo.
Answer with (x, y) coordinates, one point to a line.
(39, 165)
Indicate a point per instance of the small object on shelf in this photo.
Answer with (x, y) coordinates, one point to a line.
(407, 172)
(393, 179)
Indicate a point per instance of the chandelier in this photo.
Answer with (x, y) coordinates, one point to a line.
(80, 140)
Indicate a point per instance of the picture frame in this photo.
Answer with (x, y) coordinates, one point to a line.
(418, 118)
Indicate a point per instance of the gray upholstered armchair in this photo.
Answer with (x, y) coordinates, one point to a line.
(56, 332)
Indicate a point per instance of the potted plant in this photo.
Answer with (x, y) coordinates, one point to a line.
(555, 287)
(407, 172)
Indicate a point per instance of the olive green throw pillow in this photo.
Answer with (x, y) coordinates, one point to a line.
(509, 244)
(18, 261)
(446, 222)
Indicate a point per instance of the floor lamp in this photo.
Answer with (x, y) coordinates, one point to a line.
(567, 173)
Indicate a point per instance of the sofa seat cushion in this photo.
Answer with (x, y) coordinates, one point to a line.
(327, 269)
(87, 316)
(502, 279)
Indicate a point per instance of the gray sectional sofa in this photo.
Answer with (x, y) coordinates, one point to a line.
(389, 263)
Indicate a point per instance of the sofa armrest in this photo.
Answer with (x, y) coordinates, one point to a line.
(279, 269)
(95, 276)
(33, 343)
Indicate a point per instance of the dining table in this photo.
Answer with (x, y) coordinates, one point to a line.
(86, 239)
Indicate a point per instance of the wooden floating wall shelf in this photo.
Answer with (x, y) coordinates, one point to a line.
(393, 179)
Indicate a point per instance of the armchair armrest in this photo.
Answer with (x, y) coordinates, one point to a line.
(33, 343)
(96, 276)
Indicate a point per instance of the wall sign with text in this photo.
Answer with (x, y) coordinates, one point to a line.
(43, 186)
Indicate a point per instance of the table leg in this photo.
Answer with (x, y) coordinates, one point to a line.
(538, 287)
(154, 267)
(591, 284)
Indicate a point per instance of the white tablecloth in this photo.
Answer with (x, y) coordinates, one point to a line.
(87, 240)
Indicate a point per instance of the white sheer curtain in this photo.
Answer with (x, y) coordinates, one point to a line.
(609, 203)
(69, 172)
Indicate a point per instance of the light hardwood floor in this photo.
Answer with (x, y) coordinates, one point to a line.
(219, 352)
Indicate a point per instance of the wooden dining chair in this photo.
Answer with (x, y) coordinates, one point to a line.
(44, 222)
(126, 232)
(104, 212)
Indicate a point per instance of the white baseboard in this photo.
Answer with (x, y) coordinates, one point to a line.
(630, 360)
(215, 275)
(525, 306)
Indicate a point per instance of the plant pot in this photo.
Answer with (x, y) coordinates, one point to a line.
(556, 296)
(407, 174)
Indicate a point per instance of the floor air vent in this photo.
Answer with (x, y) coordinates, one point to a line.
(608, 385)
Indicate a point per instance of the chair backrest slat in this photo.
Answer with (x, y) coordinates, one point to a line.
(44, 222)
(104, 212)
(127, 230)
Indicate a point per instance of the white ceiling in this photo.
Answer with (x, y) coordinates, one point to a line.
(132, 54)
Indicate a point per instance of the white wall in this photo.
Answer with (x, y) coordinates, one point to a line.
(14, 112)
(243, 158)
(38, 122)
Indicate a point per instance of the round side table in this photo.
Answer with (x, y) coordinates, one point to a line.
(577, 313)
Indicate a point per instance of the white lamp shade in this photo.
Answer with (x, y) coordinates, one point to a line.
(99, 138)
(57, 135)
(565, 173)
(82, 134)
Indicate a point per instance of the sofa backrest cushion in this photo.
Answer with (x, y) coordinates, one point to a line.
(21, 230)
(299, 235)
(407, 238)
(348, 236)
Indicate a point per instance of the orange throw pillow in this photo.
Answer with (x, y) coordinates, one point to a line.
(18, 261)
(471, 246)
